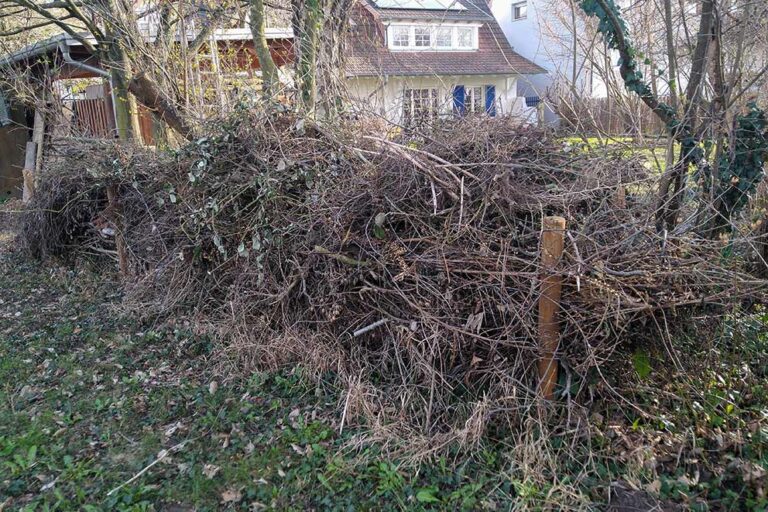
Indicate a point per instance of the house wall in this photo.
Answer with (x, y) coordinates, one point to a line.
(13, 142)
(384, 96)
(545, 37)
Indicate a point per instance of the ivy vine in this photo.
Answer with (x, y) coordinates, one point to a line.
(742, 161)
(741, 164)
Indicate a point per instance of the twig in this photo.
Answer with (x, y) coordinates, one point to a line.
(371, 327)
(340, 257)
(162, 455)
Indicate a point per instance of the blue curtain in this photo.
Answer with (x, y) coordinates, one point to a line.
(459, 105)
(490, 100)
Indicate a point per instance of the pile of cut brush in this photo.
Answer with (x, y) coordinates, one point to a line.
(408, 264)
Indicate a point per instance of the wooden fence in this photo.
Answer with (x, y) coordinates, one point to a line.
(611, 116)
(93, 118)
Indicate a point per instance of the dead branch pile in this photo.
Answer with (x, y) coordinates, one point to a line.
(409, 265)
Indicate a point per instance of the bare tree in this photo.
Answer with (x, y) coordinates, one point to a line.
(706, 110)
(319, 28)
(269, 74)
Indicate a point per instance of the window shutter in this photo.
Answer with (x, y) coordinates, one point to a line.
(490, 100)
(459, 95)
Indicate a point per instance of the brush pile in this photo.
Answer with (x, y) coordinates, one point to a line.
(408, 264)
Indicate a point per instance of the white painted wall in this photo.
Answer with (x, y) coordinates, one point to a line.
(384, 96)
(545, 37)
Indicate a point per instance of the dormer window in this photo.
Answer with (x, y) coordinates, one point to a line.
(465, 37)
(432, 37)
(401, 37)
(444, 37)
(423, 37)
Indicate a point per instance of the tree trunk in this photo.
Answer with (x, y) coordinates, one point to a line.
(126, 118)
(307, 15)
(152, 97)
(319, 28)
(269, 75)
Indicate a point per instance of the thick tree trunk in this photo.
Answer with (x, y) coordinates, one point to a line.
(269, 76)
(319, 29)
(332, 65)
(126, 115)
(127, 124)
(152, 97)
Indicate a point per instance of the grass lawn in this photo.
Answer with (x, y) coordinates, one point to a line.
(100, 413)
(653, 149)
(97, 413)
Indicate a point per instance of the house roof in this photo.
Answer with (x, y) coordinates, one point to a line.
(471, 10)
(369, 55)
(34, 50)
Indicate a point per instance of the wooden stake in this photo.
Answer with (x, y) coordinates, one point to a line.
(620, 198)
(117, 214)
(549, 303)
(38, 137)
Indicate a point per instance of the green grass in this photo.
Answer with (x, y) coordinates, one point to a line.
(100, 413)
(652, 150)
(88, 400)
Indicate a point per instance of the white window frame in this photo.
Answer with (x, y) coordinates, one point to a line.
(433, 46)
(520, 5)
(421, 35)
(474, 99)
(434, 104)
(450, 31)
(399, 29)
(472, 40)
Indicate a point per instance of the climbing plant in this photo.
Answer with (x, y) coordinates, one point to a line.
(741, 164)
(742, 157)
(613, 28)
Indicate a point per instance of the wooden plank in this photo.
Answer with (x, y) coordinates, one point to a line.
(93, 118)
(38, 136)
(145, 123)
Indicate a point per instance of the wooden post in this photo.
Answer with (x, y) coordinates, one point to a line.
(620, 198)
(29, 172)
(549, 303)
(540, 113)
(117, 213)
(38, 136)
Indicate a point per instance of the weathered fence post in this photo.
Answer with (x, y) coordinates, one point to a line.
(549, 303)
(117, 214)
(38, 137)
(620, 198)
(28, 173)
(540, 114)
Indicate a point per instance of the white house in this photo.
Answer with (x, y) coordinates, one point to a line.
(414, 60)
(543, 31)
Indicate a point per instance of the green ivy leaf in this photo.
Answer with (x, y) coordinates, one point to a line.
(642, 363)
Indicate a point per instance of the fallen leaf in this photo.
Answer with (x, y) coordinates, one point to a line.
(210, 470)
(231, 496)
